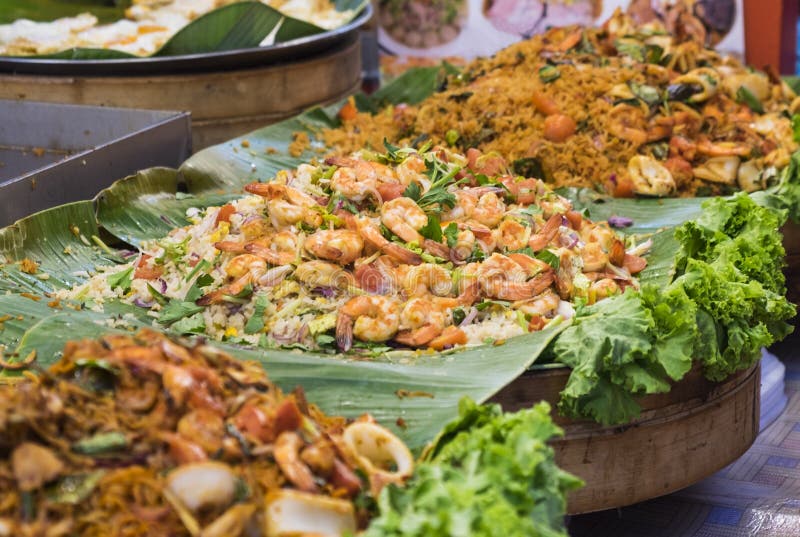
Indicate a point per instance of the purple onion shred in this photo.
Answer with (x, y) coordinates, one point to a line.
(473, 312)
(327, 292)
(619, 221)
(142, 304)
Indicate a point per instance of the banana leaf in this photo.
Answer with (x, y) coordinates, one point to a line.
(47, 10)
(61, 240)
(149, 204)
(414, 399)
(235, 26)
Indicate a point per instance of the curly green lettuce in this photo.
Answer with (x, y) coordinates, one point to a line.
(487, 474)
(725, 302)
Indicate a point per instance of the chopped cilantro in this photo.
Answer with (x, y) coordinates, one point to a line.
(451, 234)
(194, 324)
(256, 322)
(177, 310)
(194, 292)
(156, 294)
(744, 95)
(203, 265)
(121, 280)
(433, 229)
(796, 128)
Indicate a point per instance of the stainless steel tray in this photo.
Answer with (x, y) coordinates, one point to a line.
(54, 153)
(215, 61)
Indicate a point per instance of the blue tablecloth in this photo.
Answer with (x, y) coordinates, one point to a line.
(758, 495)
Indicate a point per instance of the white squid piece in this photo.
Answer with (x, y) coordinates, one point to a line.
(291, 512)
(718, 170)
(377, 449)
(650, 178)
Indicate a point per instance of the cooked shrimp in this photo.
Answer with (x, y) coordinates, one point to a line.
(254, 227)
(601, 289)
(601, 233)
(286, 205)
(451, 337)
(282, 248)
(723, 149)
(627, 122)
(512, 235)
(357, 179)
(593, 256)
(489, 210)
(466, 201)
(546, 233)
(502, 278)
(544, 305)
(404, 218)
(245, 264)
(410, 171)
(203, 427)
(530, 265)
(420, 322)
(339, 245)
(287, 456)
(369, 318)
(372, 235)
(427, 278)
(237, 286)
(323, 274)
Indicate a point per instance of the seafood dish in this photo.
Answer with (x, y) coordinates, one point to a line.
(148, 436)
(629, 108)
(407, 249)
(148, 24)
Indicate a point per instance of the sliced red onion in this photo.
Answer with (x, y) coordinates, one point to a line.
(285, 338)
(125, 254)
(613, 178)
(142, 304)
(302, 333)
(619, 222)
(274, 276)
(327, 292)
(163, 286)
(167, 220)
(473, 312)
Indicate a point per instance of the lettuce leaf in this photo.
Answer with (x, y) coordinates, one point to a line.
(785, 196)
(487, 474)
(622, 347)
(725, 302)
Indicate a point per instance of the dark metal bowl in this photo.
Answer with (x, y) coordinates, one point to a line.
(213, 61)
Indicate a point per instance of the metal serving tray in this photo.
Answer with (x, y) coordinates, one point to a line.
(54, 153)
(215, 61)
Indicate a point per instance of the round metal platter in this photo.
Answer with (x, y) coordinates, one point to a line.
(214, 61)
